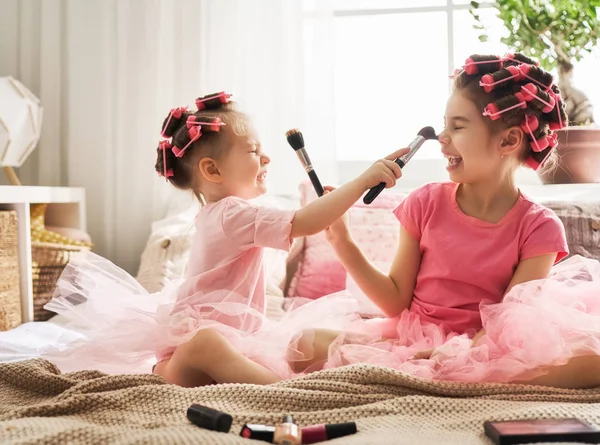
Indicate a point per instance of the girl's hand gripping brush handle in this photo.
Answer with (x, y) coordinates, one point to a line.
(424, 134)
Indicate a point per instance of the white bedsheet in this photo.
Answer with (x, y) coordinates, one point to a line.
(26, 341)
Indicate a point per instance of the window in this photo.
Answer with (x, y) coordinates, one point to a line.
(391, 66)
(386, 88)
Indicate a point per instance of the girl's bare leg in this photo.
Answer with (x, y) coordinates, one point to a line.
(314, 344)
(209, 358)
(578, 373)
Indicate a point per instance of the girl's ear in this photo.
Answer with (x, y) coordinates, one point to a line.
(210, 170)
(512, 140)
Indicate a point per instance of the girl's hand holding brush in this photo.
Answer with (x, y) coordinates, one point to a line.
(319, 214)
(384, 170)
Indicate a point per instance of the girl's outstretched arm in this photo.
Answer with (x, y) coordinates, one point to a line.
(392, 293)
(321, 213)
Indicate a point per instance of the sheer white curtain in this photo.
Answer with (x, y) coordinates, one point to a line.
(108, 71)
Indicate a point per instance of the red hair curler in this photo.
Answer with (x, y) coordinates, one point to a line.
(471, 66)
(194, 134)
(540, 144)
(489, 81)
(530, 123)
(531, 92)
(221, 97)
(164, 146)
(492, 110)
(174, 113)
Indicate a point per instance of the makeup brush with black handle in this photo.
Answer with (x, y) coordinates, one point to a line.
(424, 134)
(296, 140)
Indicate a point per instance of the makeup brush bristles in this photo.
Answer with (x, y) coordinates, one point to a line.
(295, 139)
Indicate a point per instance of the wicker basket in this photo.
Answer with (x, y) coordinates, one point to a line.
(49, 261)
(10, 292)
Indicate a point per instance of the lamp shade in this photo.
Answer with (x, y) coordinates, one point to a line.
(20, 122)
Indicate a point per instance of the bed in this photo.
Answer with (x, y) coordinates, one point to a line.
(39, 404)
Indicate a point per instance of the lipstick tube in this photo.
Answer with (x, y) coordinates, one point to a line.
(323, 432)
(209, 418)
(309, 435)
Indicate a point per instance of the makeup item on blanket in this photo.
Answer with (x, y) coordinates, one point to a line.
(209, 418)
(511, 432)
(287, 432)
(323, 432)
(266, 433)
(310, 434)
(424, 134)
(296, 140)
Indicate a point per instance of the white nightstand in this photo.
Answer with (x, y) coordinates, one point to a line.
(66, 208)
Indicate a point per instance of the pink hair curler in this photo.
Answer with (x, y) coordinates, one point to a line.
(164, 146)
(530, 123)
(525, 69)
(536, 144)
(488, 83)
(540, 144)
(471, 66)
(222, 96)
(191, 121)
(552, 140)
(511, 57)
(194, 134)
(530, 92)
(212, 124)
(175, 113)
(558, 125)
(494, 113)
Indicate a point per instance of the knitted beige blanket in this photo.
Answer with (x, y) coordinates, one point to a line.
(40, 405)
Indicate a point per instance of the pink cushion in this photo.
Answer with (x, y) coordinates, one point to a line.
(374, 228)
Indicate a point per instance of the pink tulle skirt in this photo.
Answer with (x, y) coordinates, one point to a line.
(539, 324)
(127, 330)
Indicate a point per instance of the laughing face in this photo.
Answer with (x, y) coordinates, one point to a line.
(244, 169)
(467, 143)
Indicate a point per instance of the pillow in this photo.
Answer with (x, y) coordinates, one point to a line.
(167, 250)
(374, 228)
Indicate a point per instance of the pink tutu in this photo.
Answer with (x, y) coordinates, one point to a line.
(127, 328)
(539, 324)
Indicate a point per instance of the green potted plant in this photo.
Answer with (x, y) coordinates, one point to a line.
(558, 33)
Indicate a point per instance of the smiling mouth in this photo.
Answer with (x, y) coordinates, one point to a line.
(262, 176)
(454, 160)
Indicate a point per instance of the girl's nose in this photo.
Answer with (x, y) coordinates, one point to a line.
(443, 137)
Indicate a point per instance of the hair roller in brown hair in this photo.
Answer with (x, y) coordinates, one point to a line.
(506, 76)
(194, 134)
(495, 109)
(537, 158)
(204, 122)
(532, 92)
(478, 64)
(212, 101)
(530, 123)
(557, 117)
(519, 58)
(164, 146)
(172, 122)
(541, 78)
